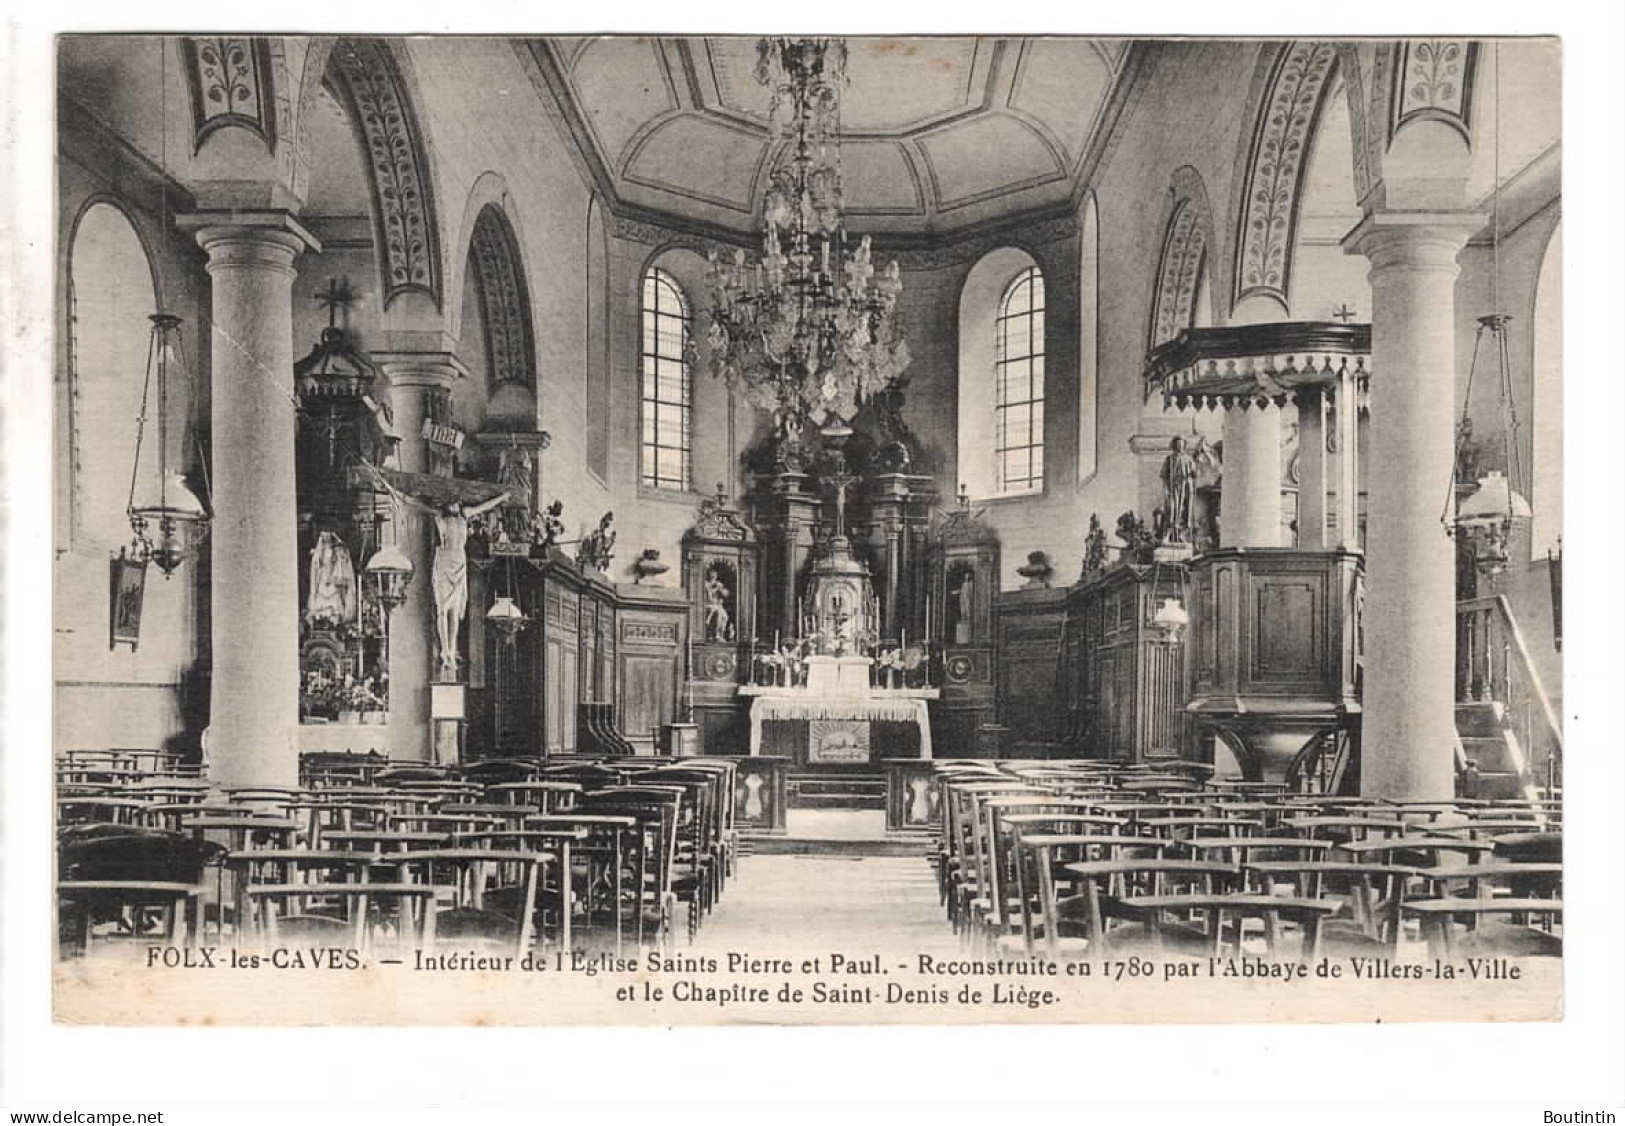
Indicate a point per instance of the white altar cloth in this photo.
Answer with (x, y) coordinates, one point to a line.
(900, 705)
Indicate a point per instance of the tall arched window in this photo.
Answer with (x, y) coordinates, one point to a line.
(110, 296)
(1018, 386)
(667, 384)
(1088, 341)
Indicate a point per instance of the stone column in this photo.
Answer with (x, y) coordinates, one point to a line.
(1348, 465)
(411, 376)
(1312, 470)
(1407, 746)
(1250, 504)
(253, 543)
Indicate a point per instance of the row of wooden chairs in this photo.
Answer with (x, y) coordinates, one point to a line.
(1059, 860)
(524, 852)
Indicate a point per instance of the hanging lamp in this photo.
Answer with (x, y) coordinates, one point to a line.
(166, 517)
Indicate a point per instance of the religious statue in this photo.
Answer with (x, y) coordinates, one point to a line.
(598, 548)
(516, 474)
(332, 597)
(961, 606)
(1094, 549)
(450, 571)
(1179, 470)
(718, 620)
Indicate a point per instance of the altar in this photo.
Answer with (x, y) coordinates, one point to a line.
(769, 704)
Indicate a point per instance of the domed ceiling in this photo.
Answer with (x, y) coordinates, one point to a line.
(938, 134)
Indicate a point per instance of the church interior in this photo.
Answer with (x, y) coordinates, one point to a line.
(579, 493)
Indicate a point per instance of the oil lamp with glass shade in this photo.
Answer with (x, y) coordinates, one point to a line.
(1495, 508)
(505, 615)
(391, 570)
(165, 515)
(506, 618)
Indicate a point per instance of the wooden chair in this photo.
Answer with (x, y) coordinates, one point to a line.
(602, 843)
(1370, 893)
(112, 874)
(1106, 885)
(286, 867)
(475, 879)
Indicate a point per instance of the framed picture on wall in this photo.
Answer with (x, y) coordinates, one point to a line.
(128, 591)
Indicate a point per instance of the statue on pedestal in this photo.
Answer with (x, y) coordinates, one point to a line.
(1179, 471)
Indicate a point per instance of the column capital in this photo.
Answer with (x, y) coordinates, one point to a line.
(420, 369)
(1413, 239)
(235, 239)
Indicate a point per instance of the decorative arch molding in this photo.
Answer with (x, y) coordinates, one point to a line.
(1283, 136)
(1187, 239)
(499, 278)
(1367, 152)
(230, 84)
(1433, 81)
(369, 79)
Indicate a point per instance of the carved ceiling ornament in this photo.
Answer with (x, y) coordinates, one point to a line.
(1282, 142)
(1183, 250)
(504, 300)
(229, 79)
(402, 196)
(1434, 82)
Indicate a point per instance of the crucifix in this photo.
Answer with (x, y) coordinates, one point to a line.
(1344, 312)
(840, 481)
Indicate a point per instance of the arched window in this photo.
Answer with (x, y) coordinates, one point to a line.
(667, 385)
(110, 296)
(1088, 346)
(1018, 386)
(1546, 460)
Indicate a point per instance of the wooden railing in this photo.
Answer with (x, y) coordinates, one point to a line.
(1493, 664)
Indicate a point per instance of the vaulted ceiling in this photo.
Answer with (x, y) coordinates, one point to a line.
(938, 134)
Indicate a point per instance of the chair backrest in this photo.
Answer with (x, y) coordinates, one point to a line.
(123, 853)
(590, 776)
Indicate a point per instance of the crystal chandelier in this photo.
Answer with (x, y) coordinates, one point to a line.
(809, 329)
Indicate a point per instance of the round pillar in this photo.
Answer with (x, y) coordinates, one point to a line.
(253, 543)
(1250, 503)
(1313, 470)
(1408, 739)
(412, 625)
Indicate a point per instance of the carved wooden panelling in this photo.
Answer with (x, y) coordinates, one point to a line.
(1286, 629)
(649, 633)
(647, 694)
